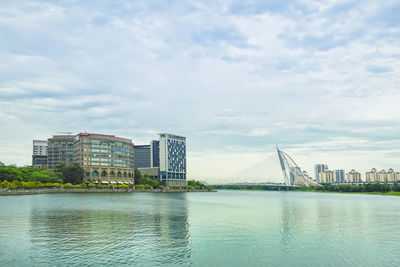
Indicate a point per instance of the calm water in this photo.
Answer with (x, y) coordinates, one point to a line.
(228, 228)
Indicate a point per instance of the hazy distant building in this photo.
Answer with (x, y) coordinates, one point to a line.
(326, 177)
(295, 176)
(318, 168)
(392, 176)
(60, 148)
(372, 176)
(1, 163)
(172, 159)
(39, 154)
(353, 177)
(105, 158)
(382, 176)
(155, 153)
(339, 176)
(142, 156)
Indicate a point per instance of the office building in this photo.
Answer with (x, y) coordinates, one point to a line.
(353, 177)
(326, 177)
(172, 159)
(142, 156)
(60, 148)
(39, 154)
(155, 153)
(105, 159)
(339, 176)
(319, 168)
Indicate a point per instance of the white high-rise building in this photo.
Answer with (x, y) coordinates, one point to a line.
(353, 177)
(319, 168)
(172, 159)
(39, 153)
(339, 175)
(326, 177)
(372, 176)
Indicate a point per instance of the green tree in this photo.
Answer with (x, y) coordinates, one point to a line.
(70, 173)
(139, 179)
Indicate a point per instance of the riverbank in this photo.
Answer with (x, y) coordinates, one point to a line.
(9, 192)
(314, 191)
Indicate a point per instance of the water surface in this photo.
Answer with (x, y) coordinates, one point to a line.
(227, 228)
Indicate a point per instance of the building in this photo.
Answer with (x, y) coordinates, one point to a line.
(1, 163)
(382, 176)
(393, 176)
(326, 177)
(372, 176)
(39, 154)
(142, 156)
(353, 177)
(172, 159)
(339, 176)
(318, 168)
(155, 153)
(60, 148)
(105, 159)
(295, 176)
(152, 172)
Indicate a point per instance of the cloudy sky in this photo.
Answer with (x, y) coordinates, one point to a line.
(319, 78)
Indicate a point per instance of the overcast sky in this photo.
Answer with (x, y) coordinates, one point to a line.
(319, 78)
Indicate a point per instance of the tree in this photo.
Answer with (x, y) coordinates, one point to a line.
(139, 179)
(70, 173)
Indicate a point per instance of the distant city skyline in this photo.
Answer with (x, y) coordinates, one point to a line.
(320, 79)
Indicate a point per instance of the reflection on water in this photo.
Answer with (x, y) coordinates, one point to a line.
(200, 229)
(136, 232)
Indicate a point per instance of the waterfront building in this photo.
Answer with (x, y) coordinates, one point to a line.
(382, 176)
(372, 176)
(353, 177)
(155, 153)
(152, 172)
(318, 168)
(60, 148)
(339, 176)
(105, 159)
(142, 156)
(172, 159)
(39, 154)
(391, 176)
(326, 177)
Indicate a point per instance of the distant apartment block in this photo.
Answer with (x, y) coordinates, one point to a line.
(326, 177)
(172, 159)
(318, 168)
(142, 156)
(60, 148)
(372, 176)
(353, 177)
(39, 154)
(339, 176)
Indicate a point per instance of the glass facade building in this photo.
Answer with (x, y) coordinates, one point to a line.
(340, 176)
(319, 168)
(142, 156)
(155, 153)
(60, 148)
(172, 159)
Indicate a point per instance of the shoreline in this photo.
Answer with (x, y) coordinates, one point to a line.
(16, 192)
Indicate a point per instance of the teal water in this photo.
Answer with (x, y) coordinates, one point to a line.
(227, 228)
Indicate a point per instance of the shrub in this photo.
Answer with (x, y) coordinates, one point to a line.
(122, 186)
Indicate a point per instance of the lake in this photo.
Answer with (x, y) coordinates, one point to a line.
(225, 228)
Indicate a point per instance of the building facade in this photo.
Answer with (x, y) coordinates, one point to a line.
(339, 176)
(142, 156)
(172, 159)
(39, 154)
(372, 176)
(353, 177)
(155, 153)
(105, 159)
(60, 148)
(326, 177)
(318, 168)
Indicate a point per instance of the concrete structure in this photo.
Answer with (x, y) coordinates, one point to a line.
(295, 176)
(105, 158)
(155, 153)
(326, 177)
(39, 154)
(142, 156)
(153, 172)
(353, 177)
(372, 176)
(172, 159)
(318, 168)
(339, 176)
(60, 148)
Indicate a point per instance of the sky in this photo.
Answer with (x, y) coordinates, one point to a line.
(321, 79)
